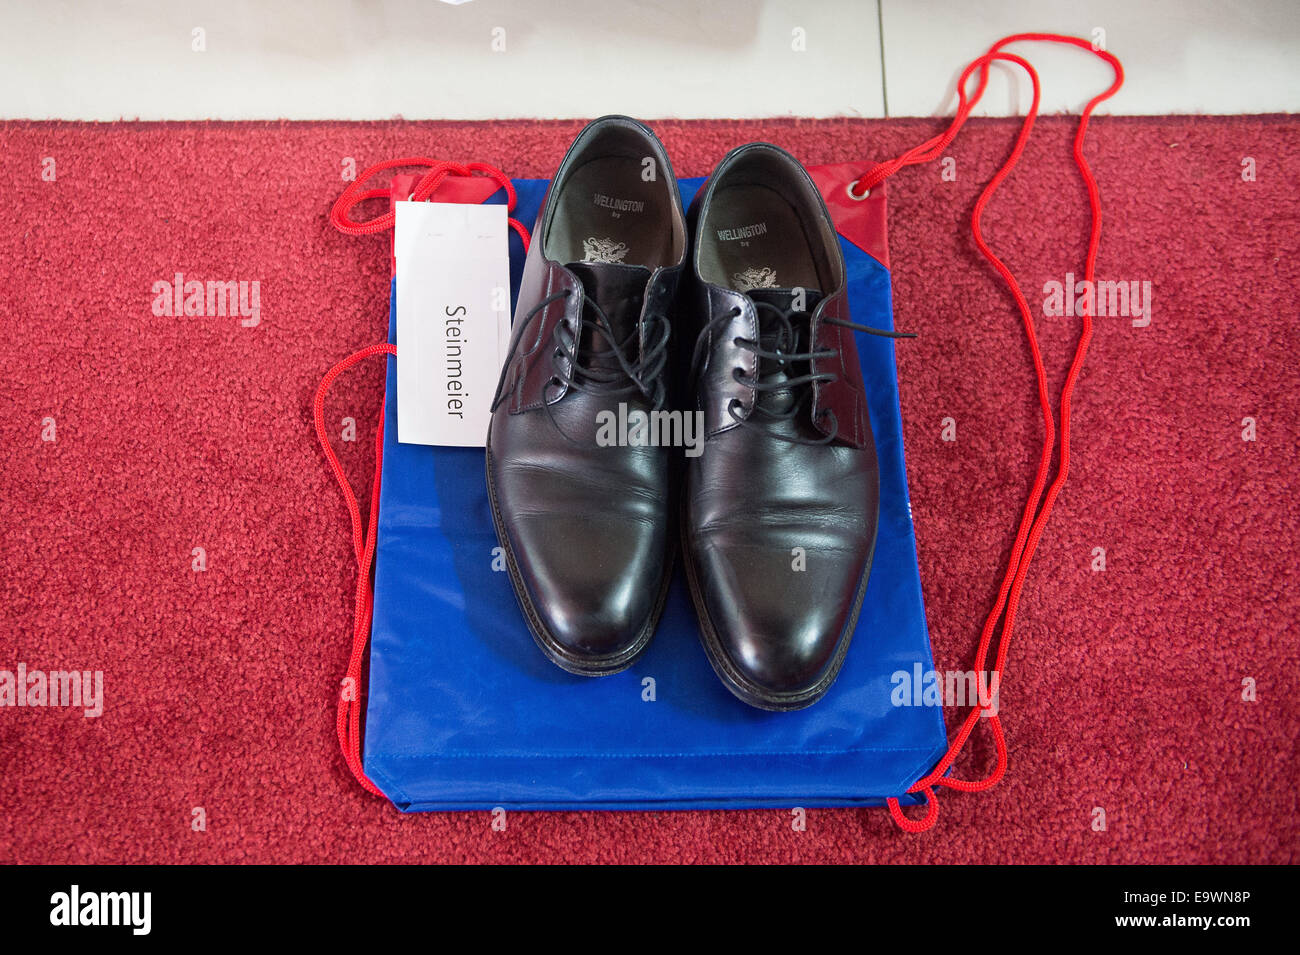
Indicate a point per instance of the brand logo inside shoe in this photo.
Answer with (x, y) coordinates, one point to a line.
(618, 205)
(744, 232)
(603, 250)
(754, 278)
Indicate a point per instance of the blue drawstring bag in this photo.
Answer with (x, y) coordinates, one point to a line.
(463, 711)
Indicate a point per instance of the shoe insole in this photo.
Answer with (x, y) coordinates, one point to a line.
(753, 238)
(608, 213)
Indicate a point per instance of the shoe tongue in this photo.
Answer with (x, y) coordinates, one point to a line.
(786, 299)
(619, 291)
(797, 304)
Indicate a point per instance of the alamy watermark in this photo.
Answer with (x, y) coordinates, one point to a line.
(1100, 299)
(75, 907)
(956, 688)
(192, 298)
(74, 688)
(651, 429)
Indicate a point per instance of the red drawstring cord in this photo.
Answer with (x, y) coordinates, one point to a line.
(363, 547)
(1034, 519)
(363, 541)
(439, 169)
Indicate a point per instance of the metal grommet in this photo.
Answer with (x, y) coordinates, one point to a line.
(856, 197)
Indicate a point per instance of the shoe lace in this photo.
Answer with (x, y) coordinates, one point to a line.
(776, 351)
(643, 375)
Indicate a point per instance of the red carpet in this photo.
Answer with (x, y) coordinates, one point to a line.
(1124, 687)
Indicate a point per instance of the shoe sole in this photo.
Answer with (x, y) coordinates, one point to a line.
(732, 679)
(562, 657)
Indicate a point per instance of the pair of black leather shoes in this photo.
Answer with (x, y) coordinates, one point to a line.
(632, 315)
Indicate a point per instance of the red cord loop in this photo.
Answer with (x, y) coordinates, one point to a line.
(1038, 508)
(348, 723)
(439, 169)
(918, 825)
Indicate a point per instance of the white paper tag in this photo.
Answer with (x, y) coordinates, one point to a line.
(453, 319)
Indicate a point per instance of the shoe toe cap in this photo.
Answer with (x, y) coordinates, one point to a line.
(592, 615)
(593, 593)
(780, 630)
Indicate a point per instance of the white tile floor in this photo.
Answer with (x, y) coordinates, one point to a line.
(369, 59)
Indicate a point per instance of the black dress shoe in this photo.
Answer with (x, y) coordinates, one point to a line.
(585, 526)
(779, 511)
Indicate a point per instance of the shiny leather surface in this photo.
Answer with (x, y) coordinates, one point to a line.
(529, 374)
(844, 397)
(586, 528)
(758, 509)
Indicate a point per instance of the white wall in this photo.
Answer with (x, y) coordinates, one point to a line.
(1197, 56)
(421, 59)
